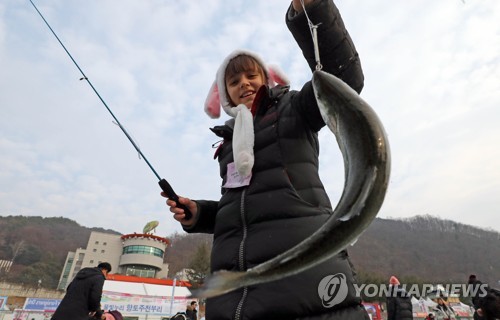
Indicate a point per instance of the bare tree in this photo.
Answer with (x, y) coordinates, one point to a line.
(17, 248)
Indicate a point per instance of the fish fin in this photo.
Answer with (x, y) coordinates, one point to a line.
(218, 283)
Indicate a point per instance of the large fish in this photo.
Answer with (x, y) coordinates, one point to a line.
(363, 143)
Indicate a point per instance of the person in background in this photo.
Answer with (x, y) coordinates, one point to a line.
(485, 300)
(399, 305)
(180, 316)
(443, 308)
(477, 290)
(489, 305)
(112, 315)
(83, 295)
(191, 311)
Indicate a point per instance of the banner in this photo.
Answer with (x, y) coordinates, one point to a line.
(123, 302)
(39, 304)
(136, 304)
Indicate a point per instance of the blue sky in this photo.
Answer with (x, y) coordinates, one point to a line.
(432, 73)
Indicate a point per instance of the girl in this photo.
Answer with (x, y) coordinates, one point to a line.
(272, 196)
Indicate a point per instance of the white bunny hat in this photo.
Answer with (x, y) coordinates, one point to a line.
(243, 136)
(217, 97)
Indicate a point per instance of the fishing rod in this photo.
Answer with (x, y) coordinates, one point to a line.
(164, 185)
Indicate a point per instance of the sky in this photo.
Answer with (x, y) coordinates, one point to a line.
(432, 74)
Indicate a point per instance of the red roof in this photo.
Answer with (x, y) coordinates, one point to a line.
(165, 282)
(145, 235)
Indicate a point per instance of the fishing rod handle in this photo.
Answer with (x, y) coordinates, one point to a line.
(165, 186)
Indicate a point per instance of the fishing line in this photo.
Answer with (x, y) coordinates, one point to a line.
(165, 186)
(314, 34)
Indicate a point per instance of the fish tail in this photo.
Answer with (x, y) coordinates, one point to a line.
(220, 282)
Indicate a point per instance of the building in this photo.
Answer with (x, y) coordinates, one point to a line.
(131, 254)
(142, 256)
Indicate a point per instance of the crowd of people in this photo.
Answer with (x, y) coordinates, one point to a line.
(485, 302)
(82, 300)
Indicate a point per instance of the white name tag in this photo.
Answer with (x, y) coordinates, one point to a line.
(234, 180)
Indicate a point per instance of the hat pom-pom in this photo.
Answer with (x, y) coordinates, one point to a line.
(394, 281)
(212, 103)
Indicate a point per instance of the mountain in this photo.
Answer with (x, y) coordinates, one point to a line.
(39, 247)
(425, 247)
(420, 249)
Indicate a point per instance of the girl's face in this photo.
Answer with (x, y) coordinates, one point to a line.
(243, 80)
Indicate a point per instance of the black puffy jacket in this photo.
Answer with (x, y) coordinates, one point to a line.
(83, 295)
(285, 201)
(399, 306)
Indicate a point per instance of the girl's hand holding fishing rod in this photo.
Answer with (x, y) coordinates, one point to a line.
(179, 213)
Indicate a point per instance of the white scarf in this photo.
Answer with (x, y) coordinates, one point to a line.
(243, 140)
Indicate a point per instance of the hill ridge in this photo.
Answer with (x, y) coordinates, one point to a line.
(422, 247)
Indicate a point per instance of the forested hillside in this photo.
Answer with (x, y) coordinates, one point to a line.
(421, 249)
(428, 248)
(38, 246)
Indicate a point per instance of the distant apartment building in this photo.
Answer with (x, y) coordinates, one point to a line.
(134, 254)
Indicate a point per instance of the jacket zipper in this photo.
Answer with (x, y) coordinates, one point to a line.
(241, 254)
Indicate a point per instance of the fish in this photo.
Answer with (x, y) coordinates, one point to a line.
(365, 149)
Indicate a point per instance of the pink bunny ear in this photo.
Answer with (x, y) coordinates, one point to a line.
(212, 103)
(277, 75)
